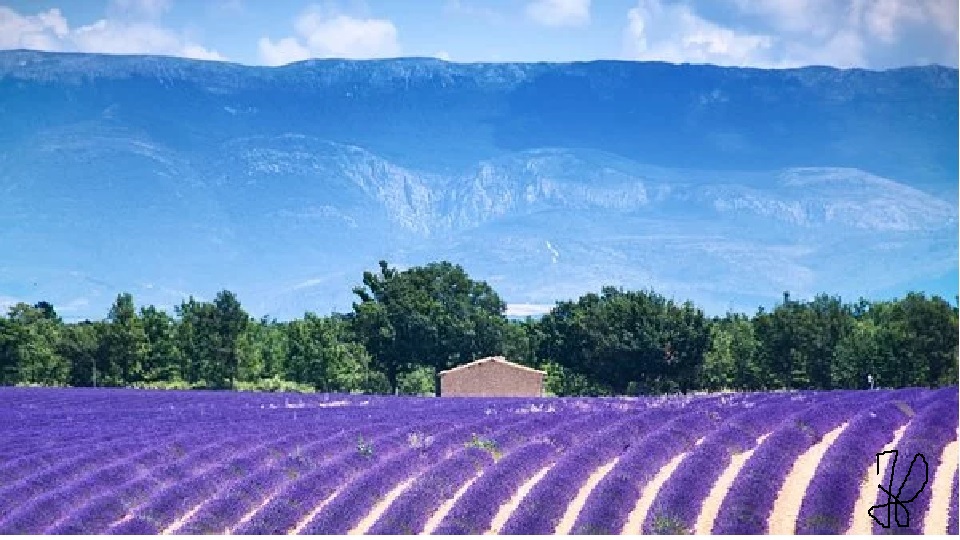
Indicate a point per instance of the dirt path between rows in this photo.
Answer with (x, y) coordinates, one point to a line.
(569, 518)
(786, 509)
(862, 522)
(935, 521)
(507, 509)
(711, 505)
(378, 509)
(447, 505)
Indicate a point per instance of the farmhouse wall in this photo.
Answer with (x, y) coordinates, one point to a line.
(491, 379)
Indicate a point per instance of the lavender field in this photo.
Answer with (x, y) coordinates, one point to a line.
(123, 461)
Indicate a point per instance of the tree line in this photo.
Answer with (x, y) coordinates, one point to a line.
(407, 326)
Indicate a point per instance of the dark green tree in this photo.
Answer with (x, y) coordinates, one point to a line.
(33, 334)
(162, 361)
(627, 340)
(125, 344)
(10, 338)
(262, 350)
(230, 321)
(80, 345)
(433, 316)
(195, 340)
(731, 361)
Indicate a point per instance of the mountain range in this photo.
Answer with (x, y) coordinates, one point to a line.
(167, 177)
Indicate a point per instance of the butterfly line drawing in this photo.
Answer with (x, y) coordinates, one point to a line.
(895, 501)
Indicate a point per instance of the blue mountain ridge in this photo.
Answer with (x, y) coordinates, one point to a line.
(166, 177)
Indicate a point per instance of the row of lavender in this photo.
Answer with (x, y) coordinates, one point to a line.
(83, 460)
(120, 461)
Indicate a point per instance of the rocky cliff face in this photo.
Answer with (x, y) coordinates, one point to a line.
(164, 176)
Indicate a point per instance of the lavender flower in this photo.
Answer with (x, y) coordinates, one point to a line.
(93, 461)
(541, 510)
(829, 501)
(410, 512)
(926, 435)
(474, 512)
(746, 508)
(608, 507)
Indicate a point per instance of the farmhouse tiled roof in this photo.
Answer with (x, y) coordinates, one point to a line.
(498, 359)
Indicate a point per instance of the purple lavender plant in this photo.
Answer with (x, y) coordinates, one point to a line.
(94, 518)
(405, 516)
(264, 465)
(608, 507)
(137, 527)
(924, 439)
(43, 511)
(226, 509)
(746, 508)
(829, 501)
(29, 486)
(540, 512)
(679, 501)
(306, 491)
(357, 498)
(410, 512)
(474, 512)
(81, 460)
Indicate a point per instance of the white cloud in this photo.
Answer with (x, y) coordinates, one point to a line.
(559, 12)
(944, 14)
(281, 52)
(880, 19)
(50, 31)
(323, 34)
(674, 33)
(42, 31)
(198, 52)
(791, 33)
(110, 36)
(884, 18)
(442, 55)
(527, 310)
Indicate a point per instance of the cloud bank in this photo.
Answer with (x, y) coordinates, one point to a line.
(793, 33)
(131, 27)
(873, 34)
(324, 33)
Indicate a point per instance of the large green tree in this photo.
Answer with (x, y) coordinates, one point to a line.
(81, 346)
(210, 339)
(230, 322)
(907, 342)
(627, 340)
(731, 361)
(262, 350)
(195, 340)
(10, 338)
(432, 315)
(162, 361)
(30, 346)
(125, 344)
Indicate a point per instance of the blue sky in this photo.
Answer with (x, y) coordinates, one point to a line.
(873, 34)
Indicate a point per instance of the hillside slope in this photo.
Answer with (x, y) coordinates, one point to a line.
(167, 177)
